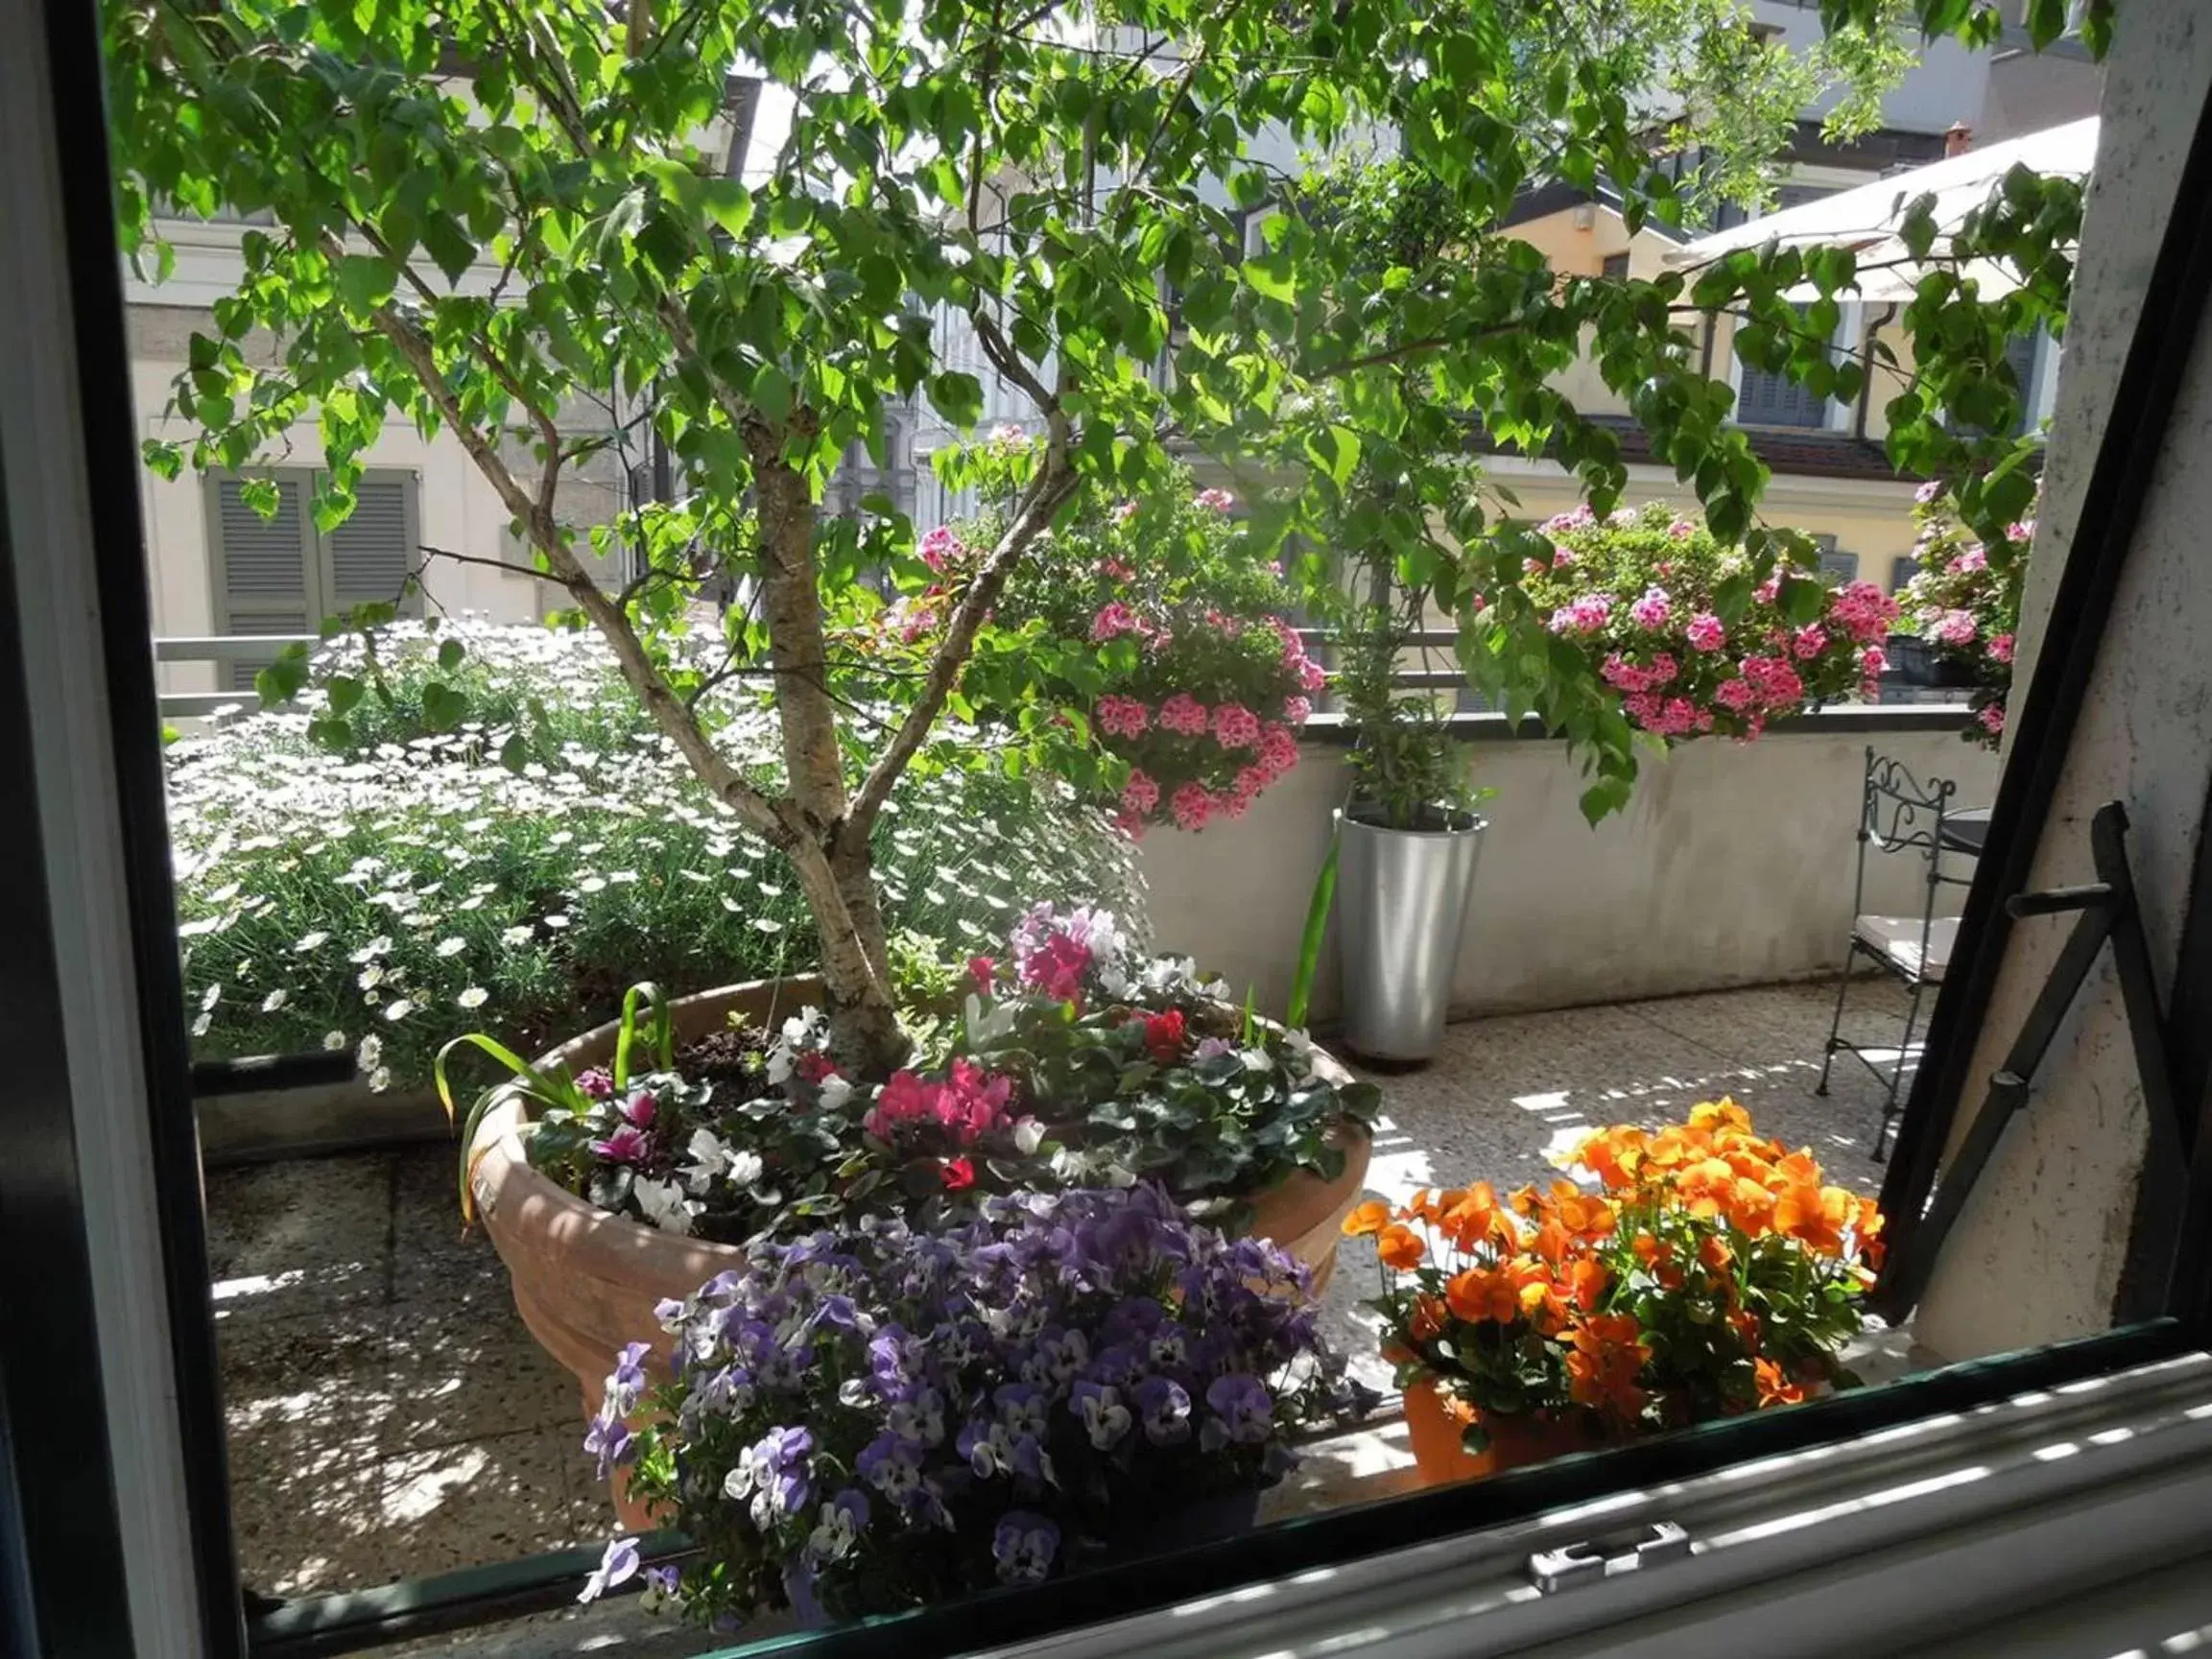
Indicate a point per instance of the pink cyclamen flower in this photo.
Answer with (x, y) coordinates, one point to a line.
(1706, 633)
(1928, 491)
(1992, 718)
(1122, 717)
(1193, 806)
(1971, 559)
(1141, 794)
(1236, 726)
(626, 1145)
(1220, 500)
(2001, 646)
(1809, 642)
(1124, 512)
(1651, 610)
(1183, 713)
(1955, 627)
(1113, 621)
(1298, 710)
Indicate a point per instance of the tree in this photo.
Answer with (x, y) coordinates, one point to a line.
(485, 213)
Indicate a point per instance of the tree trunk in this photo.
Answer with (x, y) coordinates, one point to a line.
(839, 881)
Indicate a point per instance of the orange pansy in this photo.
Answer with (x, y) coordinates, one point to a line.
(1370, 1218)
(1427, 1319)
(1714, 1253)
(1774, 1386)
(1400, 1247)
(1484, 1294)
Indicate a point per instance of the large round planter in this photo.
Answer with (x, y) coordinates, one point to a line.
(1516, 1441)
(1401, 907)
(586, 1282)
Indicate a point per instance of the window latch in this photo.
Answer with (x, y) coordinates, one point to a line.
(1552, 1571)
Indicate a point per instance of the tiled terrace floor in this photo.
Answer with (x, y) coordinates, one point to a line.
(390, 1416)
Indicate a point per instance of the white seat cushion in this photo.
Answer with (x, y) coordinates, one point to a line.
(1898, 940)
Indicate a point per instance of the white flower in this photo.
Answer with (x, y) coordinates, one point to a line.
(380, 1080)
(518, 934)
(556, 922)
(591, 884)
(379, 946)
(275, 1000)
(370, 1051)
(1028, 1135)
(664, 1205)
(836, 1090)
(474, 997)
(371, 977)
(214, 995)
(399, 1010)
(310, 941)
(333, 1042)
(199, 1026)
(452, 946)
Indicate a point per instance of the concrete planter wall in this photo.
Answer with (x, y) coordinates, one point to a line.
(1732, 867)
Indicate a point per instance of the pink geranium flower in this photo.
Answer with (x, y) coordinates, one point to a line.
(1113, 621)
(1141, 794)
(2001, 646)
(1809, 642)
(1193, 806)
(1236, 726)
(1220, 500)
(1955, 627)
(1651, 610)
(1992, 718)
(1298, 710)
(1706, 633)
(1122, 717)
(1184, 714)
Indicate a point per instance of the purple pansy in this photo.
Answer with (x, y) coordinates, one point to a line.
(1242, 1407)
(1105, 1418)
(1023, 1547)
(1164, 1409)
(616, 1566)
(839, 1526)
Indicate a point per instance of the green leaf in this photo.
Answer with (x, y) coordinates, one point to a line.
(343, 690)
(515, 753)
(729, 203)
(449, 654)
(1309, 958)
(280, 681)
(364, 280)
(443, 708)
(1336, 451)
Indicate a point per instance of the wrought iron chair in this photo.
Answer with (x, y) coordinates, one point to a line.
(1898, 815)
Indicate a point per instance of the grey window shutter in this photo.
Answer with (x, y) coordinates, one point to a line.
(370, 557)
(1764, 399)
(1843, 566)
(1902, 570)
(262, 567)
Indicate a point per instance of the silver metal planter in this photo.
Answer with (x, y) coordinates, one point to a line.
(1401, 905)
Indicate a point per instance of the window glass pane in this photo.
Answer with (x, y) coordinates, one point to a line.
(1032, 1043)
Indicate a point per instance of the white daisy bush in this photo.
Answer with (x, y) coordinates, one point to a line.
(523, 867)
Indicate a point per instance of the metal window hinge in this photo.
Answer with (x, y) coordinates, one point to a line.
(1552, 1571)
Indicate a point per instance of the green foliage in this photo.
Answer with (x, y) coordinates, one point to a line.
(412, 886)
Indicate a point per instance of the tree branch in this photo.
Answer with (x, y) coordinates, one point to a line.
(774, 819)
(1056, 482)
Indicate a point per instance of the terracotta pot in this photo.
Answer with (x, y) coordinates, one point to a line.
(586, 1282)
(1515, 1440)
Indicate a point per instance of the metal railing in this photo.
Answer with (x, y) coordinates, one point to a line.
(257, 649)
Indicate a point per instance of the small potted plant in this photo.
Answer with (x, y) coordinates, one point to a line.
(1713, 1272)
(641, 1160)
(1408, 840)
(873, 1419)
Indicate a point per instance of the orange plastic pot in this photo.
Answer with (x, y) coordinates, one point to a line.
(1515, 1440)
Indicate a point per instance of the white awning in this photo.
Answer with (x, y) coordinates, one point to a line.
(1866, 219)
